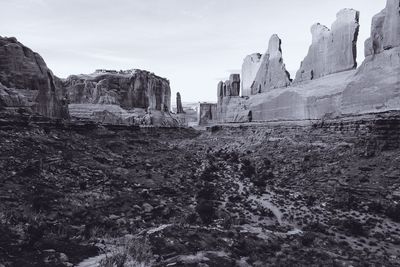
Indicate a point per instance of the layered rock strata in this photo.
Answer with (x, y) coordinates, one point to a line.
(332, 50)
(250, 67)
(10, 98)
(26, 72)
(272, 72)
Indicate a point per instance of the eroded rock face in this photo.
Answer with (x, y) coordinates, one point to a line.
(129, 89)
(11, 98)
(376, 85)
(179, 108)
(250, 67)
(207, 113)
(230, 87)
(24, 70)
(385, 29)
(332, 50)
(272, 72)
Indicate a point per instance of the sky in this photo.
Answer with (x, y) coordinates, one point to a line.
(193, 43)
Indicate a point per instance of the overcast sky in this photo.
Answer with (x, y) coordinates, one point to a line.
(193, 43)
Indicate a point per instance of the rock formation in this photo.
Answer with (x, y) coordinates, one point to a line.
(207, 113)
(135, 96)
(332, 50)
(272, 72)
(179, 108)
(250, 67)
(340, 89)
(230, 87)
(26, 72)
(129, 89)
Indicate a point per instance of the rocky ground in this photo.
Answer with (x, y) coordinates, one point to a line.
(83, 195)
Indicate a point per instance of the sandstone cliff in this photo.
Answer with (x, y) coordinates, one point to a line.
(25, 72)
(332, 50)
(272, 72)
(376, 85)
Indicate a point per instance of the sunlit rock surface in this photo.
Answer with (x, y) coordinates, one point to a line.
(250, 67)
(332, 50)
(272, 72)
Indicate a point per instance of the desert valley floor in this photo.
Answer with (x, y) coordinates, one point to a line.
(289, 194)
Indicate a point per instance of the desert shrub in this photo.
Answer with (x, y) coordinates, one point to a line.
(353, 227)
(206, 211)
(307, 239)
(133, 252)
(393, 212)
(247, 168)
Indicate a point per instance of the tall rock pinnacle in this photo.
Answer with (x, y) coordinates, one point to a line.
(179, 108)
(272, 72)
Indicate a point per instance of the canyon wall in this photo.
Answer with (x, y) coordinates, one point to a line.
(24, 72)
(328, 83)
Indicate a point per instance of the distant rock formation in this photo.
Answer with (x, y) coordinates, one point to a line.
(207, 113)
(272, 72)
(179, 107)
(129, 89)
(250, 67)
(25, 71)
(230, 87)
(331, 51)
